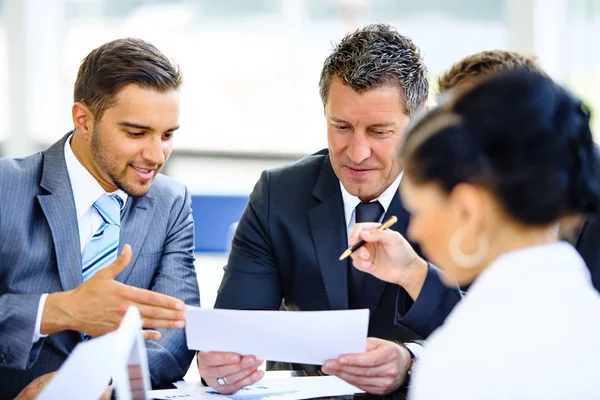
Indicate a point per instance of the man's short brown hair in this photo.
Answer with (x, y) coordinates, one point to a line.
(116, 64)
(481, 65)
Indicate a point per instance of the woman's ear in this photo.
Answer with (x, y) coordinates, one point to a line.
(469, 202)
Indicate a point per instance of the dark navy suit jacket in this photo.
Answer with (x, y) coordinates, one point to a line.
(286, 249)
(588, 245)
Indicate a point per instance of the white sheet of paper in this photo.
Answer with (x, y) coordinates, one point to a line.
(89, 368)
(277, 388)
(165, 394)
(86, 373)
(308, 337)
(131, 352)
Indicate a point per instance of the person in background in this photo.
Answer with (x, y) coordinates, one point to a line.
(472, 69)
(581, 231)
(66, 212)
(286, 247)
(487, 177)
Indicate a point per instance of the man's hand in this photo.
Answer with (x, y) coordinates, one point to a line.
(98, 305)
(238, 371)
(36, 386)
(380, 370)
(388, 256)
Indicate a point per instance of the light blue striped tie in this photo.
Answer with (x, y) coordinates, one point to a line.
(103, 246)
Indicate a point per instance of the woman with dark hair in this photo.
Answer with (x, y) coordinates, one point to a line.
(487, 177)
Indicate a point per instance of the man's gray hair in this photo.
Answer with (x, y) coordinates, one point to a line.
(375, 56)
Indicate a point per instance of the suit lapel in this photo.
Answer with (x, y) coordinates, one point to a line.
(135, 225)
(328, 231)
(373, 287)
(58, 207)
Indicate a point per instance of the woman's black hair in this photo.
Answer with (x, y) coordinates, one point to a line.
(521, 136)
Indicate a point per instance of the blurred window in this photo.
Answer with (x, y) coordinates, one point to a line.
(251, 68)
(583, 66)
(3, 77)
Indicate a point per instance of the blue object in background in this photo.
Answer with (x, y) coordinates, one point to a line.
(213, 218)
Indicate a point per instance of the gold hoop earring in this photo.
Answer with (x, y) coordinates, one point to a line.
(467, 260)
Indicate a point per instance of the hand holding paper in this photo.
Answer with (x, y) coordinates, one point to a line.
(237, 371)
(380, 370)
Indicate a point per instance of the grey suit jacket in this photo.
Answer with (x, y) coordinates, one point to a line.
(40, 253)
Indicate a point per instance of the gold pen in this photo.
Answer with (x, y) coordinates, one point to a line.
(390, 221)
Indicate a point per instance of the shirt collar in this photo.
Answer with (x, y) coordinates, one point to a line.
(86, 189)
(350, 201)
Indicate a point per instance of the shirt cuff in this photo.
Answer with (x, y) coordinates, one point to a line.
(416, 349)
(38, 321)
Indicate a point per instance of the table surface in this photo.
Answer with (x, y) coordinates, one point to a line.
(398, 395)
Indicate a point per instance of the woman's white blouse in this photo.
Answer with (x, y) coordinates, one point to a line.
(528, 328)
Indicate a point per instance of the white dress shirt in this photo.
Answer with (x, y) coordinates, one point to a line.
(350, 203)
(506, 338)
(86, 190)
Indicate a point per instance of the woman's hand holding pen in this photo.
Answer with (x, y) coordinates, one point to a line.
(388, 256)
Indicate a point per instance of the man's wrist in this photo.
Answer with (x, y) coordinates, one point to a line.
(414, 278)
(412, 357)
(56, 316)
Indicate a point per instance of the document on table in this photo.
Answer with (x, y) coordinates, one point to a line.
(277, 388)
(308, 337)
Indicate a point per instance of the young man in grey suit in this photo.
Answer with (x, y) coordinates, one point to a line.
(66, 212)
(297, 222)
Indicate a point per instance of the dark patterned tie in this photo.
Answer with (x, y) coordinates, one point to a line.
(365, 212)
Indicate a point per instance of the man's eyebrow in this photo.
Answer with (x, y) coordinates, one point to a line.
(144, 127)
(334, 119)
(383, 125)
(134, 125)
(378, 125)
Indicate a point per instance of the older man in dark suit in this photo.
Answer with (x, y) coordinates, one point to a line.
(298, 219)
